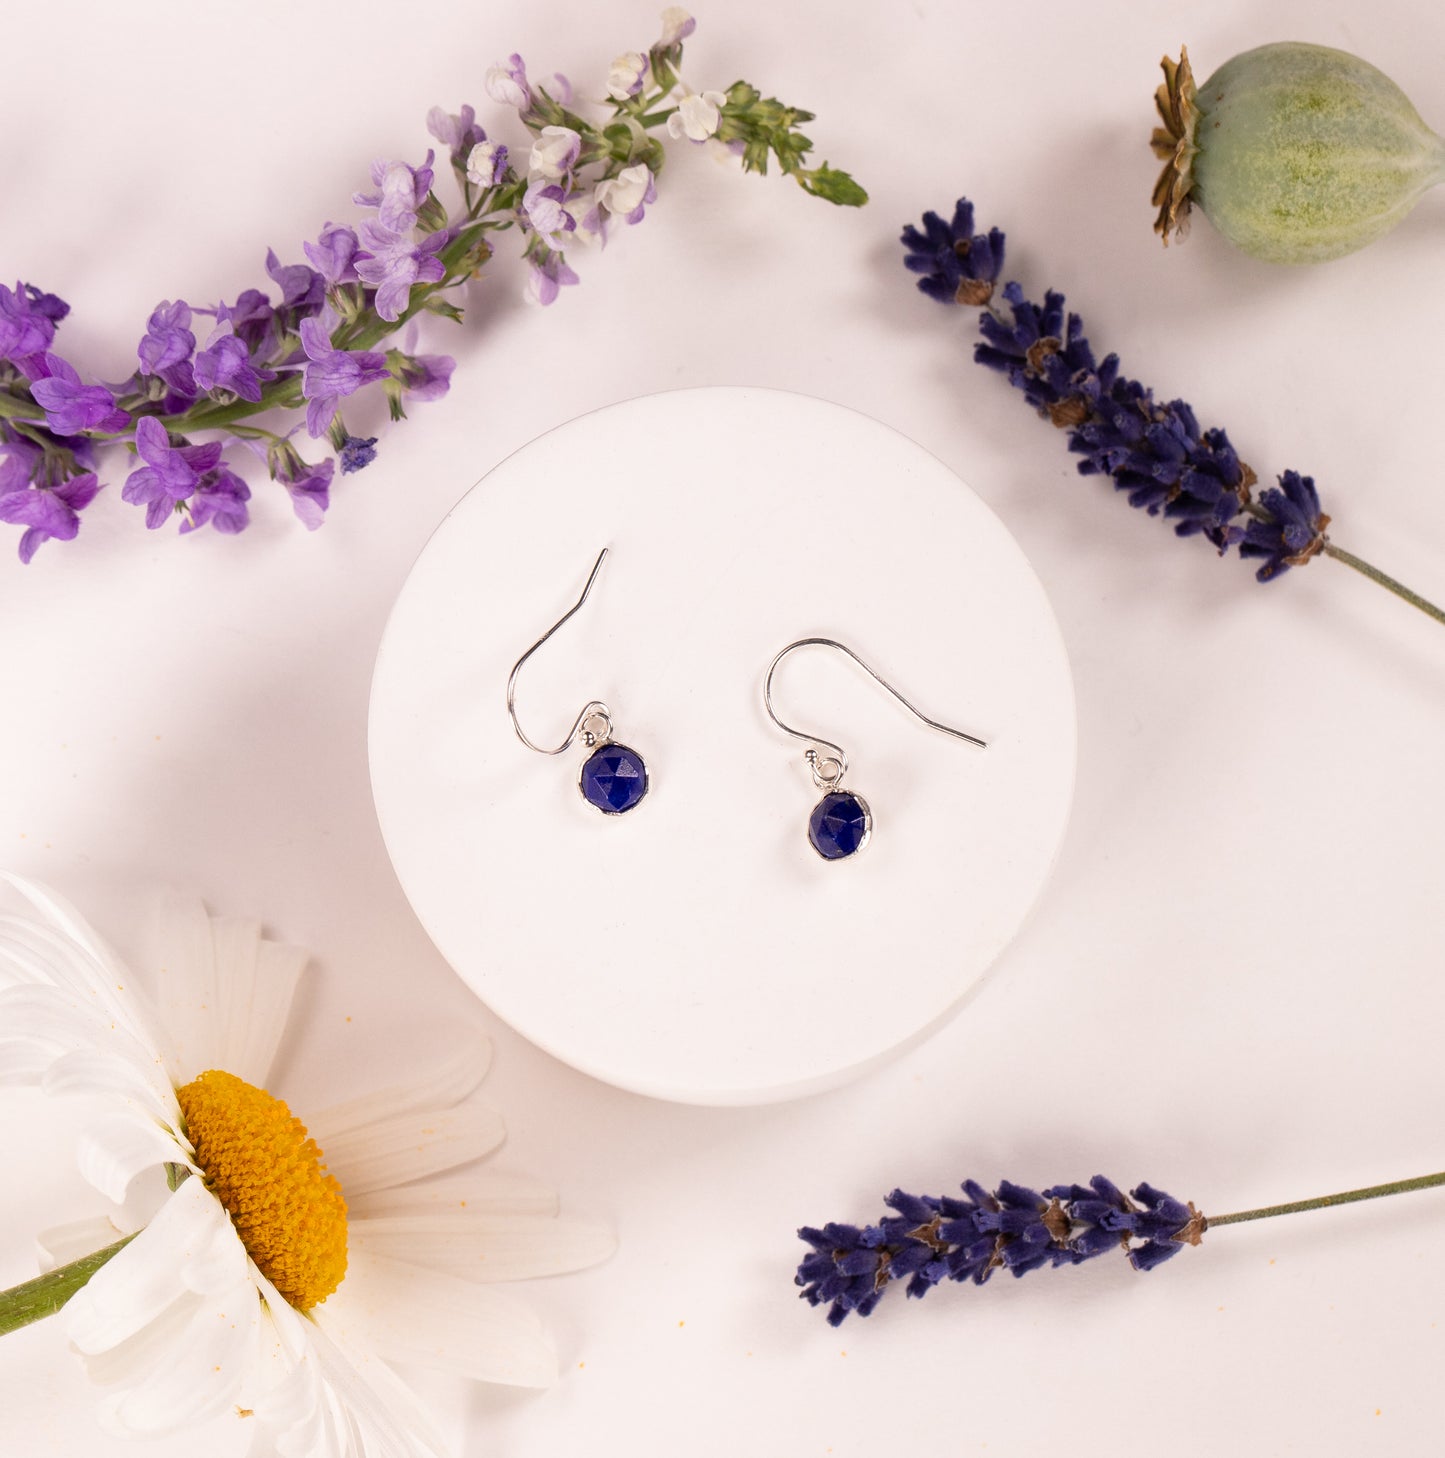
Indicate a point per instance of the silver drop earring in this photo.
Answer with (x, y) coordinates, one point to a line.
(841, 823)
(613, 777)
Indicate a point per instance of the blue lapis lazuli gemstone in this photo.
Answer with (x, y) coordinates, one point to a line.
(839, 825)
(614, 778)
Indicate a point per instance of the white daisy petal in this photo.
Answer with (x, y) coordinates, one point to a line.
(120, 1146)
(103, 1074)
(23, 1063)
(259, 980)
(411, 1314)
(134, 1287)
(339, 1400)
(447, 1083)
(486, 1192)
(55, 1022)
(62, 1244)
(189, 999)
(486, 1247)
(411, 1147)
(203, 1367)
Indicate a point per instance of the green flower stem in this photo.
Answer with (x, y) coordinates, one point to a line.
(14, 408)
(1385, 580)
(46, 1294)
(1321, 1202)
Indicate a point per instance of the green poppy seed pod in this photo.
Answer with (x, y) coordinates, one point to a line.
(1296, 153)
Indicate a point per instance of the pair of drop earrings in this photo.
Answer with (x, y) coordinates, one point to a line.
(614, 776)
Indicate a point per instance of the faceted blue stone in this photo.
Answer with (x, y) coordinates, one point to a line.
(839, 825)
(614, 778)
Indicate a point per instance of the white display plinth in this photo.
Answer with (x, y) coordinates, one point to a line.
(696, 948)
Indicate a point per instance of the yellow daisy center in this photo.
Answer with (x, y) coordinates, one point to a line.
(261, 1164)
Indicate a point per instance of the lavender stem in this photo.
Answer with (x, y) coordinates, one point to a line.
(1320, 1202)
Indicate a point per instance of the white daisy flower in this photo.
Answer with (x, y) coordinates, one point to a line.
(272, 1280)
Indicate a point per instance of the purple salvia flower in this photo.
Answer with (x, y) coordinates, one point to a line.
(427, 376)
(170, 474)
(626, 75)
(930, 1239)
(544, 204)
(302, 289)
(396, 264)
(168, 341)
(252, 318)
(356, 453)
(219, 501)
(310, 491)
(400, 192)
(628, 194)
(225, 364)
(487, 164)
(458, 133)
(554, 153)
(48, 513)
(27, 320)
(332, 254)
(677, 25)
(19, 462)
(333, 374)
(548, 275)
(70, 406)
(508, 84)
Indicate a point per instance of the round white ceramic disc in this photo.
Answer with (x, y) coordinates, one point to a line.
(697, 948)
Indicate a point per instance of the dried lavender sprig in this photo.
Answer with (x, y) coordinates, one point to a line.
(316, 345)
(934, 1238)
(930, 1239)
(1152, 450)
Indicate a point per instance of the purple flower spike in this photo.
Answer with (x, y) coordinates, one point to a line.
(225, 364)
(427, 376)
(457, 133)
(332, 254)
(71, 407)
(310, 491)
(170, 474)
(400, 192)
(333, 374)
(168, 340)
(19, 461)
(302, 289)
(508, 84)
(930, 1239)
(548, 276)
(219, 501)
(27, 320)
(252, 318)
(396, 264)
(48, 514)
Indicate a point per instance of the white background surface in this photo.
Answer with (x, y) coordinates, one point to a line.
(1232, 987)
(679, 949)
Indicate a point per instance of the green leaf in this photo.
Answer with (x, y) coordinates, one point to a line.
(833, 185)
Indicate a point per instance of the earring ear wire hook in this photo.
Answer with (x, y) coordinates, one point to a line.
(590, 711)
(828, 771)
